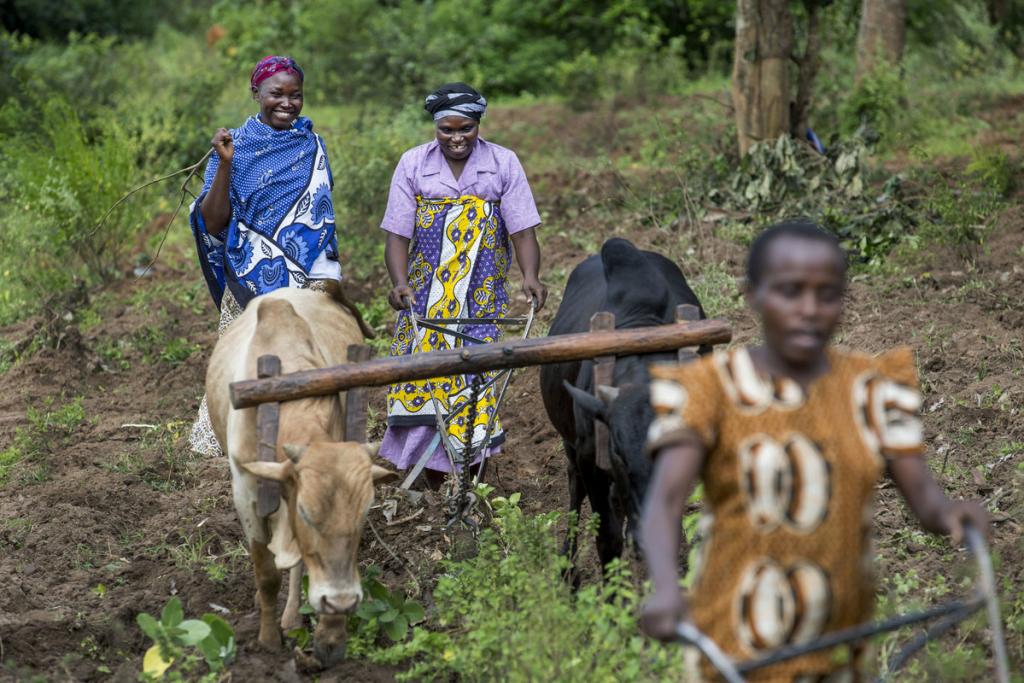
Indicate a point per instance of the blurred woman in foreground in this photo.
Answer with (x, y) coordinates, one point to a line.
(790, 439)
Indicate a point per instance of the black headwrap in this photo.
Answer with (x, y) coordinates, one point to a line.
(455, 99)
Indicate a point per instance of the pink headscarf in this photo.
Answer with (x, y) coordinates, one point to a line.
(272, 64)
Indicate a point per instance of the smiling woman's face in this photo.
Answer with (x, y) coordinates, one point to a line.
(457, 136)
(280, 99)
(799, 297)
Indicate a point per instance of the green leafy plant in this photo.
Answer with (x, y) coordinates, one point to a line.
(507, 614)
(781, 179)
(384, 611)
(381, 612)
(171, 657)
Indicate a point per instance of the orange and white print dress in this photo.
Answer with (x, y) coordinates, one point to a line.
(789, 478)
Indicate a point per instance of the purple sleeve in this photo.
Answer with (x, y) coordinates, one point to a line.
(517, 205)
(400, 216)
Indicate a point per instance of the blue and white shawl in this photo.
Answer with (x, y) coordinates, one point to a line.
(282, 215)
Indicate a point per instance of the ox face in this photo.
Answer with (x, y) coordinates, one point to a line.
(626, 410)
(329, 489)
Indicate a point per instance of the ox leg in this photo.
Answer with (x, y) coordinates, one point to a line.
(291, 618)
(268, 583)
(609, 530)
(576, 493)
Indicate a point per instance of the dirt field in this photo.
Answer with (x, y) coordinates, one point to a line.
(112, 515)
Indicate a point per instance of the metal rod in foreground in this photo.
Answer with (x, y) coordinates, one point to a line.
(475, 359)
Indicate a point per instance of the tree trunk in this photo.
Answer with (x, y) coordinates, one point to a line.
(998, 11)
(760, 76)
(882, 34)
(809, 63)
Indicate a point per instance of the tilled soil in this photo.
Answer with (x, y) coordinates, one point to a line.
(117, 516)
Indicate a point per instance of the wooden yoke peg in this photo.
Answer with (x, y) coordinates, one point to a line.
(267, 416)
(687, 313)
(604, 373)
(356, 398)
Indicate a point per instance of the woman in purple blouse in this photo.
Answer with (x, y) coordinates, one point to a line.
(455, 204)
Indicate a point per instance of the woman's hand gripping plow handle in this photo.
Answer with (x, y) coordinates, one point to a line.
(689, 634)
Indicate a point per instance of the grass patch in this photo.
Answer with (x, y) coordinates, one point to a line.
(152, 344)
(14, 531)
(48, 429)
(717, 291)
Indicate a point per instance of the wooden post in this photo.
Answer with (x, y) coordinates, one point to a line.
(604, 373)
(355, 400)
(479, 358)
(269, 492)
(687, 313)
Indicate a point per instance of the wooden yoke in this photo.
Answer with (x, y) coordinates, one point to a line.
(267, 417)
(478, 358)
(687, 313)
(604, 373)
(356, 398)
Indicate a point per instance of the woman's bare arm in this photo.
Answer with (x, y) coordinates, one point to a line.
(396, 257)
(528, 257)
(675, 473)
(929, 503)
(216, 206)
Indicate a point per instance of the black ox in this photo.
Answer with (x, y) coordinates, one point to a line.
(641, 288)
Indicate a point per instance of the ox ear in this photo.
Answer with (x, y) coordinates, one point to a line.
(588, 403)
(278, 471)
(372, 448)
(607, 394)
(382, 475)
(293, 452)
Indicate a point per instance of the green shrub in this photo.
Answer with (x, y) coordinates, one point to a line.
(57, 180)
(579, 80)
(380, 613)
(878, 101)
(363, 156)
(506, 614)
(958, 212)
(781, 179)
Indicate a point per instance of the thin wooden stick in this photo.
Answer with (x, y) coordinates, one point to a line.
(181, 203)
(189, 169)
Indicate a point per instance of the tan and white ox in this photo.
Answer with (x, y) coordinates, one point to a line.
(327, 483)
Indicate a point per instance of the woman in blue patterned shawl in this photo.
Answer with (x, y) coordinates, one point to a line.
(264, 219)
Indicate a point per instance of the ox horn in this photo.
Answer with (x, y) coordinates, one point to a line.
(293, 451)
(372, 447)
(607, 394)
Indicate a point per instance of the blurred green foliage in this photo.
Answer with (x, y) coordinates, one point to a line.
(103, 96)
(398, 51)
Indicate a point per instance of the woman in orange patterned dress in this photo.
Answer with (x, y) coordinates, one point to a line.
(790, 439)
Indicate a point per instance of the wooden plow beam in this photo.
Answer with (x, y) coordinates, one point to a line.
(480, 358)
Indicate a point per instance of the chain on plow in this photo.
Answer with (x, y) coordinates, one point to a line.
(461, 501)
(948, 615)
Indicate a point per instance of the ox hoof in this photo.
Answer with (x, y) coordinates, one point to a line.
(270, 642)
(307, 663)
(291, 621)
